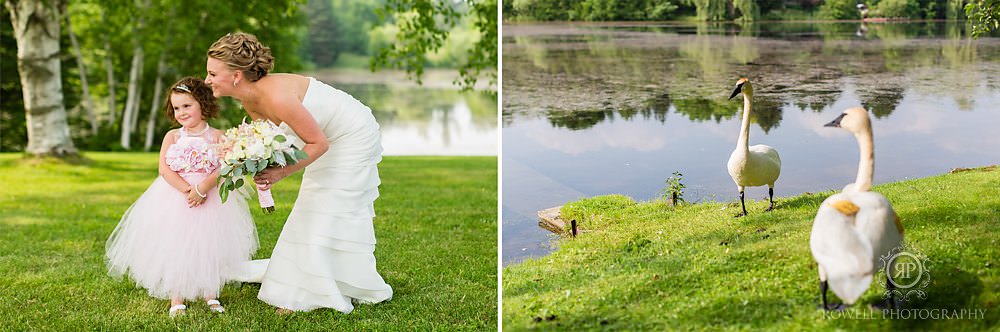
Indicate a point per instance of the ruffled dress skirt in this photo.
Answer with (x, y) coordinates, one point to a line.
(324, 257)
(176, 251)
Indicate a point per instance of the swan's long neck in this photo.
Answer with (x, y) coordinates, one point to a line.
(743, 144)
(866, 163)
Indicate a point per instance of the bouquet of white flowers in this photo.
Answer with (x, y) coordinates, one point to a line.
(248, 149)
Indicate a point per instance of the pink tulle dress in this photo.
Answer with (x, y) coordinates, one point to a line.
(174, 250)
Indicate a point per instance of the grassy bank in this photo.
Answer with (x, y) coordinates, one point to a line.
(652, 266)
(436, 227)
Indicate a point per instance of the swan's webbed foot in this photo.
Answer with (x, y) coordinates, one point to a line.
(890, 303)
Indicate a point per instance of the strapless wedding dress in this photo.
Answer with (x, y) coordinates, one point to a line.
(324, 257)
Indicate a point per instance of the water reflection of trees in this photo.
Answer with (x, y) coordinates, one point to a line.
(622, 72)
(424, 109)
(882, 102)
(766, 112)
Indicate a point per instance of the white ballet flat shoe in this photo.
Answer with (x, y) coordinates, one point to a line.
(215, 306)
(177, 310)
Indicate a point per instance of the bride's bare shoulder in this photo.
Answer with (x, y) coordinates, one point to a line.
(291, 85)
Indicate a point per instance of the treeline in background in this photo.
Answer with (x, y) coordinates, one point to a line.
(118, 56)
(741, 10)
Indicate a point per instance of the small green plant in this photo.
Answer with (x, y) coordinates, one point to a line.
(674, 190)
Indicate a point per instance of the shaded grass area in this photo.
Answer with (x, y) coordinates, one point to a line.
(436, 226)
(653, 266)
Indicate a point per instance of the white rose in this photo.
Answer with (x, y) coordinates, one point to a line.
(256, 150)
(236, 154)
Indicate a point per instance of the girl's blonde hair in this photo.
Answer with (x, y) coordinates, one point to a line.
(241, 51)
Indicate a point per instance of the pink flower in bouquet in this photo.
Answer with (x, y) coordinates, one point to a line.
(247, 150)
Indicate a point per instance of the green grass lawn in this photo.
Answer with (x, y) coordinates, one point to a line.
(437, 247)
(652, 266)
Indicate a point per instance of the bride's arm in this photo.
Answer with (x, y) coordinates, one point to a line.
(290, 111)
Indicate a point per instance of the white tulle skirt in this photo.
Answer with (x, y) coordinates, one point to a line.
(176, 251)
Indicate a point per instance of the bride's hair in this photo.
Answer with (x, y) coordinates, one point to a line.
(242, 51)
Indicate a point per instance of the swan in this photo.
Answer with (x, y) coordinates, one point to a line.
(752, 166)
(855, 228)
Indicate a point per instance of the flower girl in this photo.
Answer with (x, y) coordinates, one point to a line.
(178, 240)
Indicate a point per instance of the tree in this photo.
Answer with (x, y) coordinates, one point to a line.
(839, 10)
(88, 102)
(37, 30)
(984, 16)
(323, 37)
(13, 132)
(423, 27)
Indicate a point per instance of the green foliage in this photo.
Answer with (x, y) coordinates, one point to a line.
(623, 10)
(954, 10)
(749, 10)
(337, 28)
(323, 38)
(697, 268)
(422, 27)
(13, 131)
(898, 9)
(674, 189)
(984, 16)
(507, 9)
(108, 31)
(436, 221)
(543, 10)
(719, 10)
(483, 56)
(711, 10)
(839, 10)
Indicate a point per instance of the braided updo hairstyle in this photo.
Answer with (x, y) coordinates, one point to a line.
(241, 51)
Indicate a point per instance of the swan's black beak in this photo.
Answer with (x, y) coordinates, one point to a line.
(836, 122)
(739, 87)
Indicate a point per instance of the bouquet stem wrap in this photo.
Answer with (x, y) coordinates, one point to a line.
(266, 201)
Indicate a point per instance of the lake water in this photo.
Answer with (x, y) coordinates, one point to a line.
(594, 109)
(417, 120)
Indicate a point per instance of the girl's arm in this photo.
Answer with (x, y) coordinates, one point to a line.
(290, 111)
(172, 178)
(209, 183)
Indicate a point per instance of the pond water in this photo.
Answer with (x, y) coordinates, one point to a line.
(431, 121)
(594, 109)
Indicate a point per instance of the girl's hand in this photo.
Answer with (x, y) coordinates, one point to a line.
(268, 177)
(194, 199)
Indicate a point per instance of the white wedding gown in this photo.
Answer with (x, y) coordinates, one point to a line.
(324, 257)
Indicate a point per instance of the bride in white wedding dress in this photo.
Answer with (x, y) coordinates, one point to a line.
(324, 257)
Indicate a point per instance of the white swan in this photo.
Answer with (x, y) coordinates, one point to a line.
(855, 228)
(752, 166)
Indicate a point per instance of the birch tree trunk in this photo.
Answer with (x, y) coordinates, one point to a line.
(138, 97)
(131, 101)
(36, 29)
(161, 68)
(129, 115)
(112, 107)
(88, 102)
